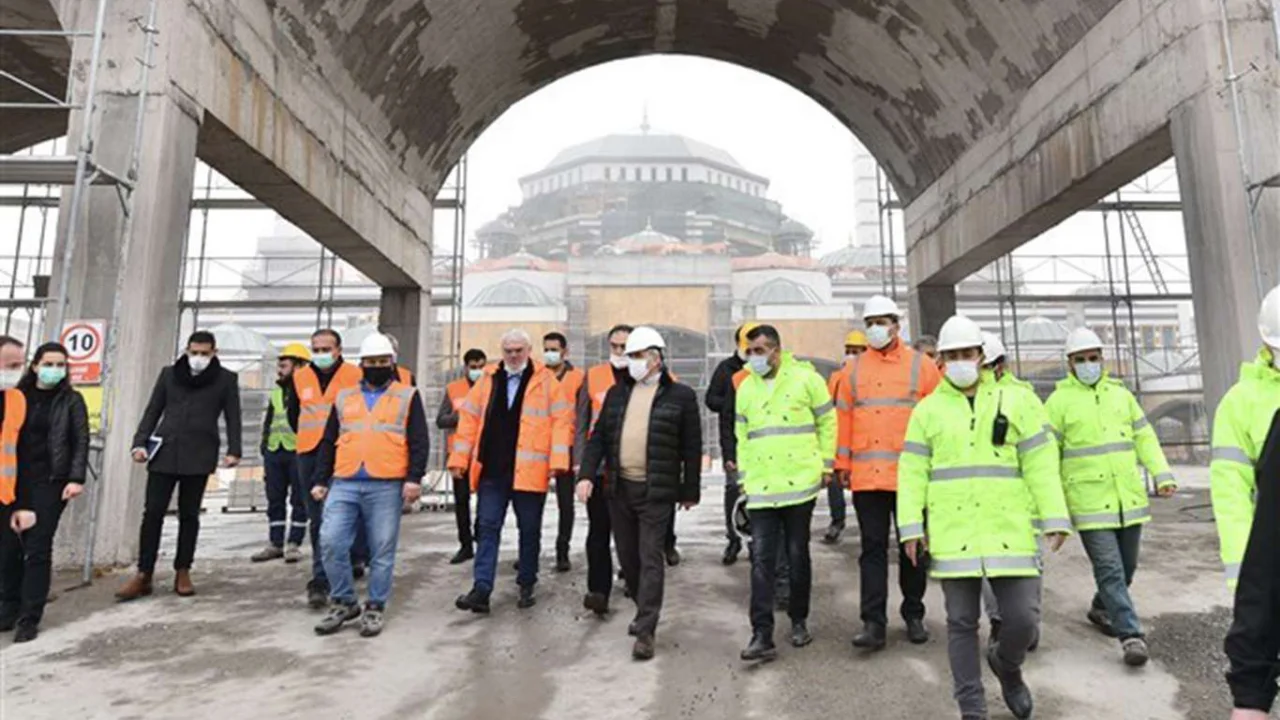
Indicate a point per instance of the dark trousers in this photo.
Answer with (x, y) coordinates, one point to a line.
(284, 493)
(876, 513)
(564, 506)
(599, 537)
(159, 493)
(732, 491)
(836, 503)
(640, 530)
(669, 538)
(771, 528)
(26, 561)
(315, 514)
(462, 511)
(493, 495)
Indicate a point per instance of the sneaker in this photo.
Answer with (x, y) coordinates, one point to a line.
(339, 614)
(317, 595)
(833, 534)
(292, 553)
(643, 648)
(371, 621)
(1135, 652)
(527, 599)
(474, 601)
(270, 552)
(27, 631)
(1017, 696)
(761, 648)
(731, 553)
(917, 633)
(800, 635)
(673, 557)
(464, 554)
(872, 637)
(597, 603)
(1102, 621)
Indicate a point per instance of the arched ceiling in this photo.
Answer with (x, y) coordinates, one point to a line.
(918, 81)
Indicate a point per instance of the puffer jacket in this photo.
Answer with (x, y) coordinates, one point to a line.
(68, 436)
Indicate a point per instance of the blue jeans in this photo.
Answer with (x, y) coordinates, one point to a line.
(284, 494)
(315, 513)
(1114, 555)
(492, 497)
(378, 503)
(836, 502)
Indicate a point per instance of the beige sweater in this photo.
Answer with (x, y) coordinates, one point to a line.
(632, 455)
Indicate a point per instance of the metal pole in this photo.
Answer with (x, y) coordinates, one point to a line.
(54, 330)
(204, 239)
(1111, 285)
(17, 257)
(1246, 170)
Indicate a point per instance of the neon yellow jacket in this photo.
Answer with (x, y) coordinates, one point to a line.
(982, 500)
(1010, 382)
(786, 431)
(1103, 435)
(1240, 427)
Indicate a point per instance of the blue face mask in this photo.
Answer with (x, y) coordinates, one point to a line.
(324, 361)
(759, 364)
(1089, 373)
(50, 376)
(474, 374)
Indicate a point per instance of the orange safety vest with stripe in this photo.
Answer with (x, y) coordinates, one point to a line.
(316, 404)
(404, 376)
(15, 414)
(376, 439)
(546, 431)
(874, 398)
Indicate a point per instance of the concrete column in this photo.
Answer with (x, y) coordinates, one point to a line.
(405, 313)
(1216, 204)
(931, 305)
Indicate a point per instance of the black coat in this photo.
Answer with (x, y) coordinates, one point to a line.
(183, 412)
(674, 449)
(68, 436)
(721, 400)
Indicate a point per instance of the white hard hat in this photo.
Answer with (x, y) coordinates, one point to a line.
(880, 306)
(1082, 339)
(377, 345)
(643, 338)
(1269, 318)
(959, 333)
(992, 347)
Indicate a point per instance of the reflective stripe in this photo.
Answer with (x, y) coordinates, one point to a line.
(783, 497)
(389, 428)
(915, 376)
(276, 523)
(885, 402)
(916, 448)
(1232, 454)
(843, 406)
(823, 409)
(557, 407)
(9, 471)
(1141, 423)
(1054, 525)
(559, 448)
(1233, 571)
(829, 464)
(957, 566)
(535, 412)
(974, 471)
(843, 452)
(532, 456)
(774, 431)
(462, 446)
(1138, 514)
(470, 407)
(1033, 442)
(1165, 477)
(1108, 518)
(876, 455)
(10, 450)
(1097, 450)
(1026, 562)
(740, 418)
(911, 531)
(312, 423)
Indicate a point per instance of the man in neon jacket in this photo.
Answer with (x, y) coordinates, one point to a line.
(1245, 478)
(1103, 435)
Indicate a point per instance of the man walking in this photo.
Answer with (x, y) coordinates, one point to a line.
(875, 397)
(1104, 434)
(514, 432)
(555, 353)
(855, 344)
(280, 463)
(786, 429)
(371, 462)
(650, 435)
(447, 419)
(719, 400)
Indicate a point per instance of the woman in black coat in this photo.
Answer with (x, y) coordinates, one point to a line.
(53, 451)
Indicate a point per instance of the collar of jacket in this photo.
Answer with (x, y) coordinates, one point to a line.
(182, 373)
(1262, 368)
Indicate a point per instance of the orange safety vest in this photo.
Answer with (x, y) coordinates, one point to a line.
(874, 399)
(315, 404)
(404, 376)
(599, 380)
(739, 376)
(835, 378)
(15, 414)
(572, 383)
(546, 431)
(377, 439)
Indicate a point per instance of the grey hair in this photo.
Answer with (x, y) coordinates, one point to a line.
(516, 335)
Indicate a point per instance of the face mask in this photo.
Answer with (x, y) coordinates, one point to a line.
(962, 373)
(618, 361)
(50, 376)
(324, 361)
(9, 379)
(759, 364)
(514, 370)
(198, 363)
(879, 336)
(638, 368)
(378, 376)
(474, 374)
(850, 358)
(551, 358)
(1089, 373)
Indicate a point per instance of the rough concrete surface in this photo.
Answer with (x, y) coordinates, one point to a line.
(244, 646)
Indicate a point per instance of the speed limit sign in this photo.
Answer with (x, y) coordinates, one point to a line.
(84, 340)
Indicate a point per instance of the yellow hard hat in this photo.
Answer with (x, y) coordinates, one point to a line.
(742, 333)
(296, 350)
(856, 338)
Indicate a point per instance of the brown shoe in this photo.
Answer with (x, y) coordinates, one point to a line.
(138, 586)
(182, 584)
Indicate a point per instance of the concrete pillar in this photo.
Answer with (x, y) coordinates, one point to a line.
(931, 305)
(405, 313)
(1216, 204)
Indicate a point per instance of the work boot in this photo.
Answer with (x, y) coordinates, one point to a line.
(270, 552)
(800, 635)
(1016, 693)
(317, 595)
(475, 601)
(731, 552)
(633, 629)
(8, 617)
(27, 631)
(597, 603)
(917, 633)
(643, 649)
(339, 614)
(182, 583)
(292, 553)
(464, 554)
(138, 586)
(371, 621)
(834, 531)
(527, 600)
(562, 562)
(1102, 621)
(1135, 652)
(872, 637)
(673, 556)
(761, 648)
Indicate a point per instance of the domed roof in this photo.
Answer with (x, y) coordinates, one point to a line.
(652, 242)
(521, 260)
(858, 257)
(781, 291)
(791, 226)
(1040, 330)
(646, 147)
(512, 293)
(240, 341)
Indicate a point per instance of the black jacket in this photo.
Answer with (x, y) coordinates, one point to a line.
(183, 412)
(415, 435)
(68, 437)
(1253, 643)
(674, 449)
(720, 400)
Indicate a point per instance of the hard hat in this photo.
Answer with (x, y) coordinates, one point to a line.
(880, 306)
(377, 345)
(1269, 318)
(992, 347)
(856, 338)
(643, 338)
(741, 519)
(742, 333)
(959, 333)
(297, 351)
(1082, 339)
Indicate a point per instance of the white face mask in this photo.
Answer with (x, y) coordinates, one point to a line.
(850, 358)
(9, 378)
(638, 368)
(962, 373)
(1089, 373)
(198, 363)
(475, 374)
(618, 361)
(879, 336)
(551, 358)
(759, 364)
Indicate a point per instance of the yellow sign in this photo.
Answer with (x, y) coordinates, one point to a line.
(93, 399)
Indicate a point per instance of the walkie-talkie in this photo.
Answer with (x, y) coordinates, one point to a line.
(1000, 428)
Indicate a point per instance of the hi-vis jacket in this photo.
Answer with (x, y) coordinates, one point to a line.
(1104, 434)
(984, 502)
(546, 430)
(1240, 429)
(786, 433)
(315, 403)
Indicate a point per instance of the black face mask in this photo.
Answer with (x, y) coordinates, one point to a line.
(378, 376)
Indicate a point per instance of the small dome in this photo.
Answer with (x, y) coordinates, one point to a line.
(791, 226)
(512, 293)
(781, 291)
(1039, 330)
(239, 341)
(646, 238)
(858, 258)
